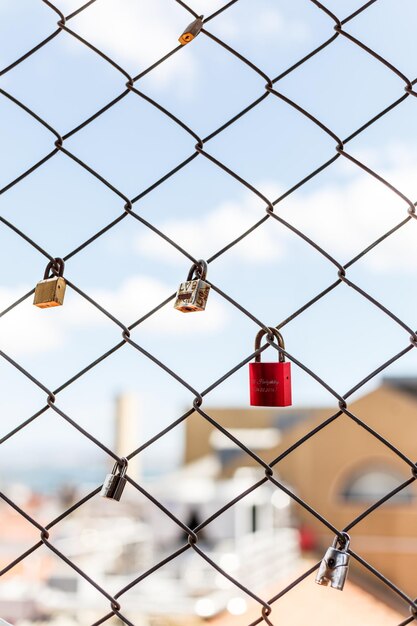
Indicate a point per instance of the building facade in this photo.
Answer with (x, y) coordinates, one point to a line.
(341, 471)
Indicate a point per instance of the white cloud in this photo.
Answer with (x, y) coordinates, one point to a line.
(17, 335)
(203, 237)
(29, 330)
(136, 34)
(138, 294)
(347, 217)
(343, 217)
(266, 23)
(139, 33)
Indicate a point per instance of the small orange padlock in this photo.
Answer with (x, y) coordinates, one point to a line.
(270, 383)
(191, 31)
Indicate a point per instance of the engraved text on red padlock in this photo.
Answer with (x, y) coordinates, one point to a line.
(270, 383)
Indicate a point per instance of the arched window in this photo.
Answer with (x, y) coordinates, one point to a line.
(371, 484)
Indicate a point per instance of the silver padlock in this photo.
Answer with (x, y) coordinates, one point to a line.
(192, 295)
(334, 567)
(115, 482)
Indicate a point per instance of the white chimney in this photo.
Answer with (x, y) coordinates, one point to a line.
(127, 430)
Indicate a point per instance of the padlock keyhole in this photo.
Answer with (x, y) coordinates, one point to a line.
(331, 562)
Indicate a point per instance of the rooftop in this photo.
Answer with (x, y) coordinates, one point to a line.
(407, 384)
(314, 605)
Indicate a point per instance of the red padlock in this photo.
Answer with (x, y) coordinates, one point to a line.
(270, 383)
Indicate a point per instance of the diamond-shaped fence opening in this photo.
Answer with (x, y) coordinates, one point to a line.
(121, 142)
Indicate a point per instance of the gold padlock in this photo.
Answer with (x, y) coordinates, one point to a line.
(191, 31)
(193, 293)
(50, 291)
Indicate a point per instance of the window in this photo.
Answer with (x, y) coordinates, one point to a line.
(372, 484)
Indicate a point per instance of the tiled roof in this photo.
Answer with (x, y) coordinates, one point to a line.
(313, 605)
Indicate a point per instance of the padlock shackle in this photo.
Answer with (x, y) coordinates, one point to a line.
(198, 270)
(56, 267)
(121, 467)
(342, 543)
(280, 340)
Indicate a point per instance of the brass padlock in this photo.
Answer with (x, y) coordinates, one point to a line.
(191, 31)
(192, 295)
(334, 567)
(51, 290)
(115, 482)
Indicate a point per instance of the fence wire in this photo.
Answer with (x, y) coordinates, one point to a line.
(131, 88)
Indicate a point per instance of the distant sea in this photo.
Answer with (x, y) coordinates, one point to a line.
(47, 481)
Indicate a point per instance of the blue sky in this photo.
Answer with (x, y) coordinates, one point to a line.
(130, 269)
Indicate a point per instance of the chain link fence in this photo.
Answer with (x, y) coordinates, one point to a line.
(269, 88)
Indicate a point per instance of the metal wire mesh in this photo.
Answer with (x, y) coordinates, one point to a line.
(337, 28)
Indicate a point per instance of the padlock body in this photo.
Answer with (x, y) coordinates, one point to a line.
(191, 31)
(333, 569)
(50, 292)
(270, 384)
(192, 296)
(113, 486)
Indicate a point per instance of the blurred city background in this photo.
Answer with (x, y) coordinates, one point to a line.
(266, 540)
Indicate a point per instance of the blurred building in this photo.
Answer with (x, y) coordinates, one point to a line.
(116, 543)
(127, 430)
(340, 471)
(314, 605)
